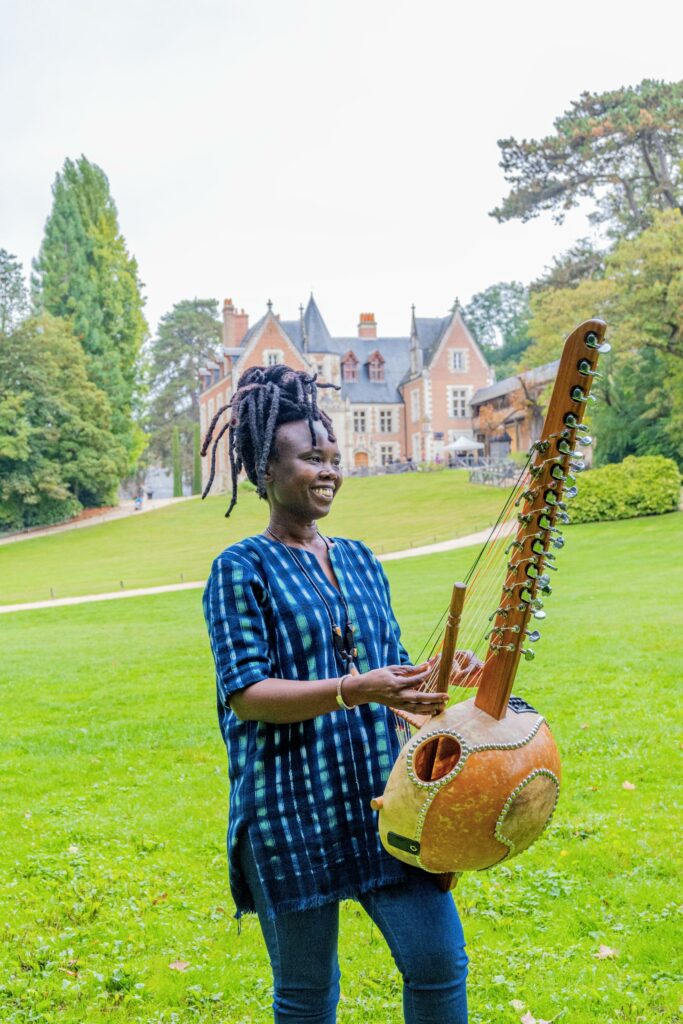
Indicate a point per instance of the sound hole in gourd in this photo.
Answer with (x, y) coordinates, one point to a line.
(436, 757)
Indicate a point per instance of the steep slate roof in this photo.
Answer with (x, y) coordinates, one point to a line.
(395, 352)
(292, 329)
(539, 375)
(396, 355)
(317, 334)
(430, 331)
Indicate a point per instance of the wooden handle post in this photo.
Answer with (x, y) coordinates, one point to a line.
(450, 637)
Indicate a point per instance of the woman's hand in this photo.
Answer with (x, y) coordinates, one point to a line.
(395, 686)
(465, 669)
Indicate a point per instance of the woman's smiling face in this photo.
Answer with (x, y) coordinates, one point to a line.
(303, 478)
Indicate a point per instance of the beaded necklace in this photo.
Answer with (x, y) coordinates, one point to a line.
(342, 642)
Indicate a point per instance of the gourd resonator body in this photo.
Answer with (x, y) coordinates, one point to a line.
(468, 790)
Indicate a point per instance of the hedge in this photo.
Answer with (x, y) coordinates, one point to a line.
(644, 486)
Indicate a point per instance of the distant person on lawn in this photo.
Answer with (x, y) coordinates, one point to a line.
(290, 613)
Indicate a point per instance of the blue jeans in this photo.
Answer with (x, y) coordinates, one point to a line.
(422, 929)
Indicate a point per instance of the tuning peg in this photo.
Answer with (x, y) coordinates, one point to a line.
(525, 517)
(529, 655)
(532, 635)
(585, 367)
(502, 647)
(586, 440)
(571, 492)
(526, 496)
(538, 613)
(557, 542)
(564, 518)
(576, 394)
(513, 544)
(593, 341)
(577, 467)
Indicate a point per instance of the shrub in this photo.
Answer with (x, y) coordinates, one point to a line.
(643, 486)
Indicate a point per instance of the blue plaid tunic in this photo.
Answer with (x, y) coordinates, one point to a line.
(300, 793)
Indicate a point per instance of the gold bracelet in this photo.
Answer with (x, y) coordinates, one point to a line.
(340, 700)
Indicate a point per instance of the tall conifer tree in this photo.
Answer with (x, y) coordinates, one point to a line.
(177, 465)
(85, 273)
(196, 461)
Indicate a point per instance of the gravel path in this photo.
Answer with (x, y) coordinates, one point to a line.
(117, 595)
(122, 511)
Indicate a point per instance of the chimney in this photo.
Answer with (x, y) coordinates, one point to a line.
(367, 326)
(235, 324)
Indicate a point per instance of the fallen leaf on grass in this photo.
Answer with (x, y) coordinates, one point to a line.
(517, 1005)
(158, 899)
(179, 965)
(585, 725)
(606, 953)
(627, 785)
(74, 849)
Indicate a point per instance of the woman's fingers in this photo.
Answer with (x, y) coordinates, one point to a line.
(412, 672)
(422, 697)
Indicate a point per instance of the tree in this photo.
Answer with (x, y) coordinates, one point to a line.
(85, 273)
(621, 149)
(499, 320)
(641, 298)
(556, 311)
(177, 465)
(634, 412)
(196, 461)
(581, 262)
(187, 336)
(647, 274)
(14, 305)
(640, 295)
(57, 450)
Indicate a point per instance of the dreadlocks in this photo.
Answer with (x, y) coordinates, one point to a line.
(266, 397)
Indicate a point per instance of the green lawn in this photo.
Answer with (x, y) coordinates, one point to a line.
(389, 513)
(112, 860)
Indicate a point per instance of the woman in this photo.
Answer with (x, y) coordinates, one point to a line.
(290, 613)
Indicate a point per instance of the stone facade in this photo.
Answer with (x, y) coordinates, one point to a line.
(401, 398)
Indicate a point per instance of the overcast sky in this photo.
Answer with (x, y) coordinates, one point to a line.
(266, 149)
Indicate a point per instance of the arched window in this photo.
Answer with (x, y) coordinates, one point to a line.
(349, 365)
(376, 367)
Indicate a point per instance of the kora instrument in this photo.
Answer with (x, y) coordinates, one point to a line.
(478, 783)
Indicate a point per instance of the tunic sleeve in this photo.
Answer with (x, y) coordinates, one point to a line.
(234, 608)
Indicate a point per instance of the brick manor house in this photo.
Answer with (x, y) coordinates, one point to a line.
(401, 398)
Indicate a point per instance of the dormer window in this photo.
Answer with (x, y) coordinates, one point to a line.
(376, 367)
(349, 365)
